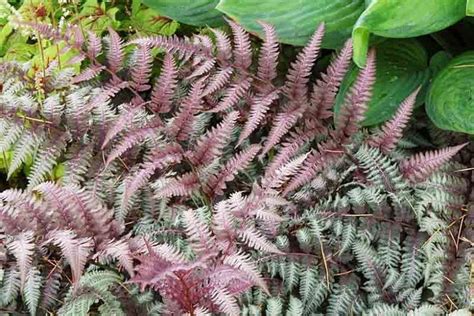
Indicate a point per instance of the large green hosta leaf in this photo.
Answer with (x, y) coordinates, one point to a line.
(450, 100)
(402, 66)
(193, 12)
(404, 18)
(296, 20)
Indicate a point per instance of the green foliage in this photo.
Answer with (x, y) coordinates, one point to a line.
(193, 12)
(403, 19)
(97, 16)
(295, 20)
(94, 286)
(450, 103)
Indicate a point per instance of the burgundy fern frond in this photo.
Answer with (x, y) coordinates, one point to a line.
(224, 47)
(392, 131)
(109, 91)
(115, 52)
(244, 263)
(22, 247)
(242, 49)
(233, 95)
(258, 108)
(173, 44)
(50, 289)
(120, 124)
(356, 101)
(298, 75)
(226, 302)
(296, 90)
(419, 167)
(289, 148)
(130, 140)
(163, 91)
(94, 45)
(78, 209)
(119, 250)
(211, 144)
(181, 126)
(88, 73)
(202, 68)
(165, 157)
(141, 72)
(317, 161)
(76, 35)
(268, 59)
(46, 30)
(183, 185)
(75, 250)
(240, 161)
(199, 234)
(284, 173)
(326, 88)
(218, 80)
(282, 124)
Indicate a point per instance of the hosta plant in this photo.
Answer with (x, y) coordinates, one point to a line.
(221, 186)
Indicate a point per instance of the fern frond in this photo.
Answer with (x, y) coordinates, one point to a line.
(258, 108)
(218, 81)
(211, 144)
(391, 131)
(240, 161)
(242, 49)
(233, 95)
(184, 185)
(298, 75)
(356, 101)
(418, 167)
(181, 125)
(326, 88)
(22, 248)
(254, 239)
(224, 47)
(164, 88)
(75, 250)
(268, 59)
(141, 73)
(225, 301)
(198, 233)
(46, 159)
(130, 140)
(115, 54)
(94, 44)
(244, 263)
(31, 290)
(173, 44)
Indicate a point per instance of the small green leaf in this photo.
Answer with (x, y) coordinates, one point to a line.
(402, 66)
(450, 99)
(296, 21)
(402, 19)
(193, 12)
